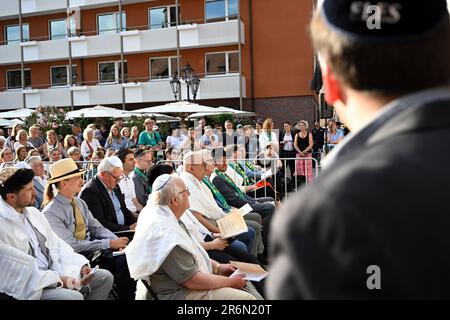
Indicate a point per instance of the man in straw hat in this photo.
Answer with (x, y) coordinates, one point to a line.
(36, 263)
(372, 225)
(72, 221)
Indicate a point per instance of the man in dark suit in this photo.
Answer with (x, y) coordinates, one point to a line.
(372, 225)
(104, 199)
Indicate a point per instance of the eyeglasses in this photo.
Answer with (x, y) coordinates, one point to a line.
(115, 178)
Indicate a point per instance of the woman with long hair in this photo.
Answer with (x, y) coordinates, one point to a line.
(21, 153)
(115, 140)
(268, 136)
(125, 132)
(134, 138)
(303, 145)
(70, 141)
(52, 143)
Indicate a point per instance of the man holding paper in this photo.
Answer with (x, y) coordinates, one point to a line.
(202, 203)
(164, 252)
(235, 197)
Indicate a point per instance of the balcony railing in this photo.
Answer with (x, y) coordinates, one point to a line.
(137, 90)
(135, 39)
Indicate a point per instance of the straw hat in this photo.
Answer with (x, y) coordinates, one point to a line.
(64, 169)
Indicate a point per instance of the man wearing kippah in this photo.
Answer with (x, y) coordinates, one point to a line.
(35, 262)
(371, 226)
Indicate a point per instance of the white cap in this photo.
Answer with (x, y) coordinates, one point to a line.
(115, 161)
(161, 182)
(22, 165)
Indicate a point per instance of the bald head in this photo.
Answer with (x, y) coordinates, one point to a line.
(194, 163)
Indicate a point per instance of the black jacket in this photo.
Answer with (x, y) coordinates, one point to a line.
(228, 192)
(380, 204)
(102, 207)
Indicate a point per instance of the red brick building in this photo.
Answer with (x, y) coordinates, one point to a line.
(265, 66)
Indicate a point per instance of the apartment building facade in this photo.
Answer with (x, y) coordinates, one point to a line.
(249, 54)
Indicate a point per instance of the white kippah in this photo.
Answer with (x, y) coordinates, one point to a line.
(161, 182)
(115, 161)
(22, 165)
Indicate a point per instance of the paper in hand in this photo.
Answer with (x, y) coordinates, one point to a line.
(232, 224)
(251, 271)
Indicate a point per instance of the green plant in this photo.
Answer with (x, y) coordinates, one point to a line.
(50, 118)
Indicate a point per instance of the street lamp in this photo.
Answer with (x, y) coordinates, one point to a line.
(176, 85)
(192, 81)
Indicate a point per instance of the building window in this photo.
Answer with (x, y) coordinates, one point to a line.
(222, 63)
(14, 79)
(111, 71)
(163, 17)
(58, 29)
(60, 75)
(161, 68)
(12, 33)
(110, 23)
(221, 10)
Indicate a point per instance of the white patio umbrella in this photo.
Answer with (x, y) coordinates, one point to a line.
(5, 123)
(176, 107)
(19, 113)
(222, 110)
(97, 112)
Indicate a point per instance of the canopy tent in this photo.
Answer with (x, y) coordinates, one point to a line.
(222, 110)
(176, 107)
(107, 112)
(19, 113)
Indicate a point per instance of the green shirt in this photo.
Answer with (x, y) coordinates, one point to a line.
(149, 139)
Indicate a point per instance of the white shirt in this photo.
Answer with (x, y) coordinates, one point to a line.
(201, 199)
(28, 281)
(127, 187)
(41, 260)
(85, 151)
(175, 142)
(264, 140)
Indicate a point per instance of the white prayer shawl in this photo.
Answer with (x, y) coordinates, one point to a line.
(157, 234)
(201, 198)
(195, 228)
(27, 281)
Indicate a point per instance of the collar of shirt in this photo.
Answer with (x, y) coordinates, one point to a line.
(110, 192)
(359, 137)
(191, 179)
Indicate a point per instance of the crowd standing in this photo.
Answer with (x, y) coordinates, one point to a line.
(143, 207)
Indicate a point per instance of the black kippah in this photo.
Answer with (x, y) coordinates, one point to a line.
(385, 19)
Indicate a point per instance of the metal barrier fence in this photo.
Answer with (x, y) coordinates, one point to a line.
(90, 167)
(283, 181)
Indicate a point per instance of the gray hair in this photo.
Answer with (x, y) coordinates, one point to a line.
(165, 188)
(86, 132)
(73, 150)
